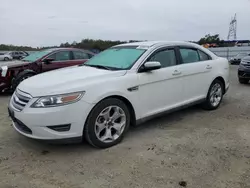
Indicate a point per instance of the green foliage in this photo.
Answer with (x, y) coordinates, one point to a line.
(209, 39)
(87, 44)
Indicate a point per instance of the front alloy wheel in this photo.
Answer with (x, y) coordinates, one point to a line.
(110, 124)
(107, 123)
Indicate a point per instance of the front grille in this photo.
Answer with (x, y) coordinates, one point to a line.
(20, 100)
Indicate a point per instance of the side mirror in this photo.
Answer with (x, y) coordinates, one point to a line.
(150, 65)
(48, 60)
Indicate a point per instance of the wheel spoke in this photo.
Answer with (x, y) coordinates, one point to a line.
(218, 92)
(116, 114)
(99, 127)
(106, 113)
(119, 127)
(107, 135)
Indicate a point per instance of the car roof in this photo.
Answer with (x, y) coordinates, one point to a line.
(57, 49)
(158, 43)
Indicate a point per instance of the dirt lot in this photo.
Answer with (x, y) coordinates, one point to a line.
(202, 149)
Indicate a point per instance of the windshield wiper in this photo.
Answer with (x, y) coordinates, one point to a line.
(99, 66)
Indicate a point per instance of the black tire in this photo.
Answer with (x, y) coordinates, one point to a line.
(6, 59)
(20, 77)
(207, 105)
(243, 81)
(89, 129)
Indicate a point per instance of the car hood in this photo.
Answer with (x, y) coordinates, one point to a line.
(247, 58)
(66, 80)
(10, 64)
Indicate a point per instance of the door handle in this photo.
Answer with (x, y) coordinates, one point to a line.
(208, 67)
(176, 72)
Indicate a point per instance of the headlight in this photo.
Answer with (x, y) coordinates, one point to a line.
(57, 100)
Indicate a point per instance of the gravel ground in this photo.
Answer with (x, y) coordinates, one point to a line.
(190, 148)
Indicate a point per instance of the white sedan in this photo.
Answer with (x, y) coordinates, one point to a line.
(5, 57)
(122, 86)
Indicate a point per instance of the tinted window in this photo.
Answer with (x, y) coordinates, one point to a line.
(165, 57)
(80, 55)
(189, 55)
(61, 56)
(203, 56)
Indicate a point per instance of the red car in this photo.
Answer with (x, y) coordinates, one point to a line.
(13, 72)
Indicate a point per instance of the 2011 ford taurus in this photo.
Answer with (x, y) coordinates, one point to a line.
(122, 86)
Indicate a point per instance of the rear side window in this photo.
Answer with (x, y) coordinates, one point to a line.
(203, 56)
(80, 55)
(189, 55)
(165, 57)
(61, 56)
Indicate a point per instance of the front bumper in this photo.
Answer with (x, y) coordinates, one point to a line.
(34, 122)
(244, 73)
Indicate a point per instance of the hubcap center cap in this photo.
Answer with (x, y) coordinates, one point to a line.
(109, 124)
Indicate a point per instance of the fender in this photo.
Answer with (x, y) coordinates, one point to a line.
(27, 71)
(22, 72)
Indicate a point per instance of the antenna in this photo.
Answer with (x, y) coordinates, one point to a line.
(232, 33)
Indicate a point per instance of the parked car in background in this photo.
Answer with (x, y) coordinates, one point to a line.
(5, 57)
(237, 59)
(18, 54)
(14, 72)
(244, 70)
(123, 85)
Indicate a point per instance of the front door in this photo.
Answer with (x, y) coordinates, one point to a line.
(61, 59)
(161, 89)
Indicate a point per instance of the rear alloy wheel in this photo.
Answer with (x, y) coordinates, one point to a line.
(214, 96)
(6, 59)
(243, 81)
(107, 123)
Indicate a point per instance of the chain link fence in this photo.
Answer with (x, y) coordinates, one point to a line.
(229, 52)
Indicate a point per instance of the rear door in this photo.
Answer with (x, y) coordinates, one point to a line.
(80, 57)
(61, 59)
(196, 71)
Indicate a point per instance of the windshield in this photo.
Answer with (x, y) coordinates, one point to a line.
(116, 58)
(36, 55)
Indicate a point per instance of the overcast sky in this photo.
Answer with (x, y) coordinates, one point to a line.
(51, 22)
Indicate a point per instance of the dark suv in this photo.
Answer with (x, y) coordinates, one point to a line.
(244, 70)
(13, 72)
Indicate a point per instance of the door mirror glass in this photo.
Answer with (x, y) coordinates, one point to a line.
(151, 65)
(48, 60)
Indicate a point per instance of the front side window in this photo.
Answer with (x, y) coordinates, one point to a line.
(166, 57)
(189, 55)
(116, 58)
(80, 55)
(203, 56)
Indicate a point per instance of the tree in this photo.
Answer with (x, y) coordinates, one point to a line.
(209, 39)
